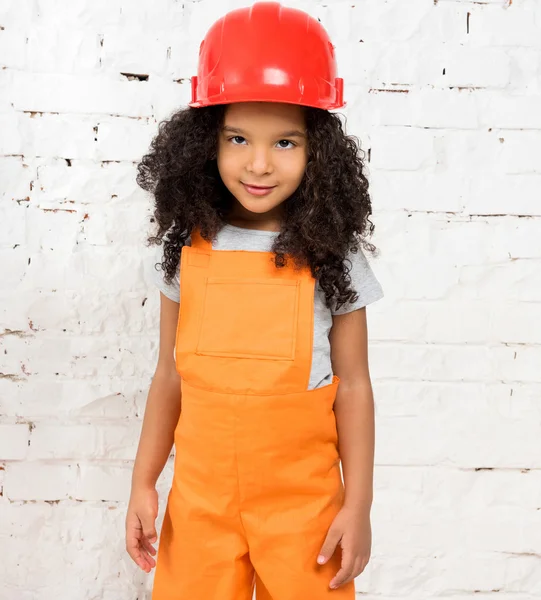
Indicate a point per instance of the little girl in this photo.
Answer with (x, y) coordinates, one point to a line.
(262, 382)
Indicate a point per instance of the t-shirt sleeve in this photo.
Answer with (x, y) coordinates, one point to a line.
(172, 291)
(363, 281)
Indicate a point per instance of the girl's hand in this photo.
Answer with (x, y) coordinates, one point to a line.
(352, 529)
(140, 526)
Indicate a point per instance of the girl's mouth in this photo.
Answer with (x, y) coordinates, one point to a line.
(257, 190)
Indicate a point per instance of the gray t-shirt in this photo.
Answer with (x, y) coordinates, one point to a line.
(363, 282)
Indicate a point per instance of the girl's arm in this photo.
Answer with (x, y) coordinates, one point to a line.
(163, 404)
(354, 410)
(354, 407)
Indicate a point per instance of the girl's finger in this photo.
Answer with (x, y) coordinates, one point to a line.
(136, 555)
(137, 549)
(148, 546)
(357, 570)
(329, 545)
(346, 570)
(144, 554)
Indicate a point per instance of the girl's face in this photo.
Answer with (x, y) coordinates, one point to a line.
(262, 144)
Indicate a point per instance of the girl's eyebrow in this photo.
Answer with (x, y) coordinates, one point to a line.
(291, 133)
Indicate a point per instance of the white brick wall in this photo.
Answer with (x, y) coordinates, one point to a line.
(446, 95)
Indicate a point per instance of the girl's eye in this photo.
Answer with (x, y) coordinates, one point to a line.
(236, 137)
(287, 142)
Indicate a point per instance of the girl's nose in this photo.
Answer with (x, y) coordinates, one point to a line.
(259, 162)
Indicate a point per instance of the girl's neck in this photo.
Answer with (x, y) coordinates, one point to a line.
(270, 221)
(256, 225)
(238, 216)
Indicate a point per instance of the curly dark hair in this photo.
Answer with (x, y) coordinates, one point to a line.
(325, 218)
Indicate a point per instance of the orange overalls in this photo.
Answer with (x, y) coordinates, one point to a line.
(257, 477)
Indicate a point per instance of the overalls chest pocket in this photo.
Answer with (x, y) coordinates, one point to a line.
(249, 318)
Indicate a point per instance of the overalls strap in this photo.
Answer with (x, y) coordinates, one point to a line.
(199, 242)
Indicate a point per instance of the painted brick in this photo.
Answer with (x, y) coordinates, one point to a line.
(445, 98)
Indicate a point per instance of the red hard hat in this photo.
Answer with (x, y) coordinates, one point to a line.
(267, 53)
